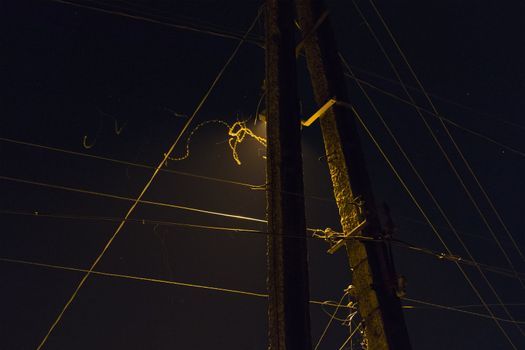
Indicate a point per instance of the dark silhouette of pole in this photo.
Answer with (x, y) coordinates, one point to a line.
(288, 310)
(373, 276)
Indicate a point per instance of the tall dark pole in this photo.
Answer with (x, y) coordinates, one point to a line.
(288, 313)
(373, 275)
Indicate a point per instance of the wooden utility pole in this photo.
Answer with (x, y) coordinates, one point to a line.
(373, 277)
(288, 311)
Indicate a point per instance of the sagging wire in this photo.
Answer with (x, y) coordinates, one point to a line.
(344, 321)
(364, 342)
(350, 305)
(148, 279)
(95, 263)
(332, 317)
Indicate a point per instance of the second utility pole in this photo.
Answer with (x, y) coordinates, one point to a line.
(288, 307)
(373, 276)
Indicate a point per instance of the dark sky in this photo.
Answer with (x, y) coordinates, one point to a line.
(72, 77)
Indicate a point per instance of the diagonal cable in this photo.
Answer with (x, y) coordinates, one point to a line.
(445, 154)
(458, 149)
(192, 28)
(332, 317)
(154, 280)
(145, 166)
(129, 199)
(244, 231)
(146, 187)
(429, 112)
(420, 208)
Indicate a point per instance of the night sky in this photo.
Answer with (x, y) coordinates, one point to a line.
(107, 85)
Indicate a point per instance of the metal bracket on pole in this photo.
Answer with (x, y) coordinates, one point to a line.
(337, 239)
(319, 113)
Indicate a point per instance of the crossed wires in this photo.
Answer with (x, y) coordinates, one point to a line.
(436, 140)
(220, 32)
(147, 185)
(351, 306)
(253, 231)
(165, 21)
(163, 169)
(451, 165)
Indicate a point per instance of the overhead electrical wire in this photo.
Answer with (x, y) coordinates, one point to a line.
(455, 309)
(54, 0)
(414, 169)
(221, 32)
(149, 182)
(354, 331)
(225, 290)
(161, 22)
(445, 154)
(129, 199)
(124, 162)
(141, 221)
(452, 167)
(429, 112)
(152, 280)
(145, 166)
(451, 138)
(478, 305)
(163, 14)
(423, 223)
(440, 98)
(332, 317)
(329, 314)
(460, 259)
(244, 231)
(422, 211)
(160, 281)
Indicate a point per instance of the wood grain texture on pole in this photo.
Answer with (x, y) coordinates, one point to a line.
(373, 275)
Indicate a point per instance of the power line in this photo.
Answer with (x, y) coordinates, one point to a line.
(451, 165)
(186, 19)
(138, 200)
(467, 164)
(141, 221)
(145, 166)
(332, 317)
(441, 117)
(456, 258)
(124, 162)
(420, 208)
(485, 137)
(414, 169)
(440, 98)
(220, 32)
(156, 21)
(150, 181)
(351, 335)
(442, 227)
(467, 191)
(244, 231)
(154, 280)
(477, 305)
(451, 308)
